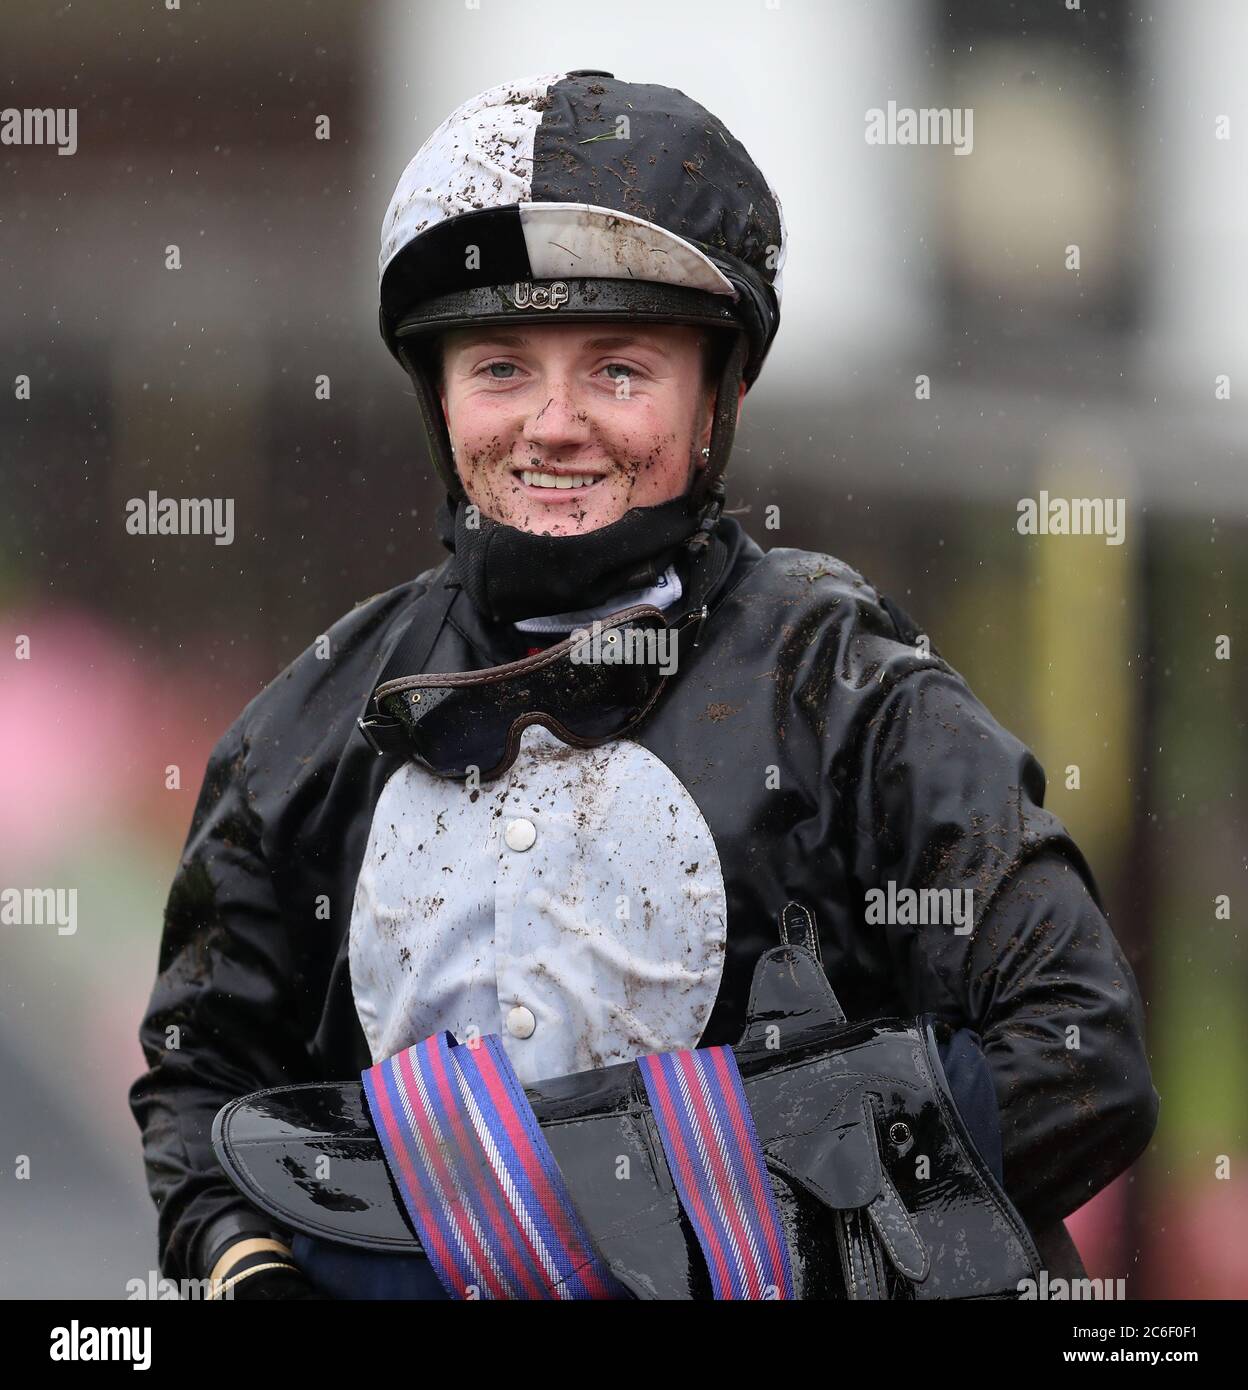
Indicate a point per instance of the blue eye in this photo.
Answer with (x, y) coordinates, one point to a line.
(510, 365)
(623, 365)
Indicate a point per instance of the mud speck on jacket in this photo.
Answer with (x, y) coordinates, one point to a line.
(332, 905)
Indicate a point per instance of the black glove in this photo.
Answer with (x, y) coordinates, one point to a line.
(269, 1285)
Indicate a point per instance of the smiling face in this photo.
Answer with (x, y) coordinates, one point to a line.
(561, 428)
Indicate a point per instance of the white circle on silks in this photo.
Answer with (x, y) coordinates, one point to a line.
(611, 929)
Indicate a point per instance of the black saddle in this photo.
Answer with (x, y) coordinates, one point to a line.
(880, 1189)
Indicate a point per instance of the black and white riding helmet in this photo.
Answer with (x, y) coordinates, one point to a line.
(577, 196)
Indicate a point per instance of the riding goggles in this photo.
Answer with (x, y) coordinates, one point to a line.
(594, 686)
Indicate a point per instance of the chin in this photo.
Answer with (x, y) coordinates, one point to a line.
(569, 521)
(568, 525)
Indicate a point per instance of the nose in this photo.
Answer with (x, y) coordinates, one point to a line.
(559, 421)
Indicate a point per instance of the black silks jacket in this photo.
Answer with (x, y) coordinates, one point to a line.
(828, 757)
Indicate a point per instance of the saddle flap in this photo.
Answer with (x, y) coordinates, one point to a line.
(818, 1132)
(309, 1157)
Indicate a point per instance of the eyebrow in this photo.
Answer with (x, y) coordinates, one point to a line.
(622, 340)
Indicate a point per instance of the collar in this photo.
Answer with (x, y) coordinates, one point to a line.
(665, 591)
(703, 578)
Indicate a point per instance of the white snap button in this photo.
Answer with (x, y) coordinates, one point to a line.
(520, 1022)
(520, 834)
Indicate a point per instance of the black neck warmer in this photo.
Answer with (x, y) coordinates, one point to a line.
(509, 573)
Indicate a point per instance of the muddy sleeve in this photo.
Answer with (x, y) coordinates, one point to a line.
(219, 1023)
(1018, 949)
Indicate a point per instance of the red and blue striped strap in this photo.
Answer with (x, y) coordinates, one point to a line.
(708, 1135)
(489, 1203)
(477, 1177)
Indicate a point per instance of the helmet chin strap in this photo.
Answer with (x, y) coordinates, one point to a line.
(434, 420)
(724, 422)
(707, 494)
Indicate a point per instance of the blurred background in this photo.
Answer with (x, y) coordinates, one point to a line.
(1119, 128)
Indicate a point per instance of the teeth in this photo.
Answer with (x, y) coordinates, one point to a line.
(558, 480)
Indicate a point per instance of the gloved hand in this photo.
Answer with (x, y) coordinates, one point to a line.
(260, 1271)
(270, 1285)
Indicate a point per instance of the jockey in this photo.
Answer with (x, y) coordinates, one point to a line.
(582, 277)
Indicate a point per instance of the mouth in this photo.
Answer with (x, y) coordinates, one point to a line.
(556, 484)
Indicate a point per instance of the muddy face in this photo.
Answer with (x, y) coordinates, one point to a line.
(561, 428)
